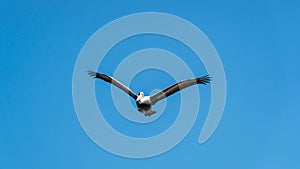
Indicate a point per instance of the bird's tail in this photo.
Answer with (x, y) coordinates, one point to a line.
(148, 112)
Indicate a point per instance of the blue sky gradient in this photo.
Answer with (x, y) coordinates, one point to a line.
(257, 41)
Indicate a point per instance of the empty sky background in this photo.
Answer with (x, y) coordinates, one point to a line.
(257, 41)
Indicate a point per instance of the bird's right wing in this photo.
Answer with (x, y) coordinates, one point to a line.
(113, 81)
(177, 87)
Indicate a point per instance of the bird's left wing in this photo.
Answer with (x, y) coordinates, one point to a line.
(113, 81)
(177, 87)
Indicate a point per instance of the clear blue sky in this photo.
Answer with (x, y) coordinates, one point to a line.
(258, 43)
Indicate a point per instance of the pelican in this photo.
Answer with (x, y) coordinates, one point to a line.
(143, 102)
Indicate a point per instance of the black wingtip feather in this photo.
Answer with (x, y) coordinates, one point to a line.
(100, 76)
(204, 79)
(92, 73)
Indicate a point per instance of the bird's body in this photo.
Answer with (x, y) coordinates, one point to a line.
(145, 109)
(143, 102)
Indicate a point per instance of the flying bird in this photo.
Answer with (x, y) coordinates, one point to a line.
(143, 102)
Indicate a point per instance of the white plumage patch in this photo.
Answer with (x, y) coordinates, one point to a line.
(146, 100)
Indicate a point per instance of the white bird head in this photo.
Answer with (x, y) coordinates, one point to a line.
(140, 96)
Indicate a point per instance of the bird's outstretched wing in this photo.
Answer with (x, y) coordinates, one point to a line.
(177, 87)
(113, 81)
